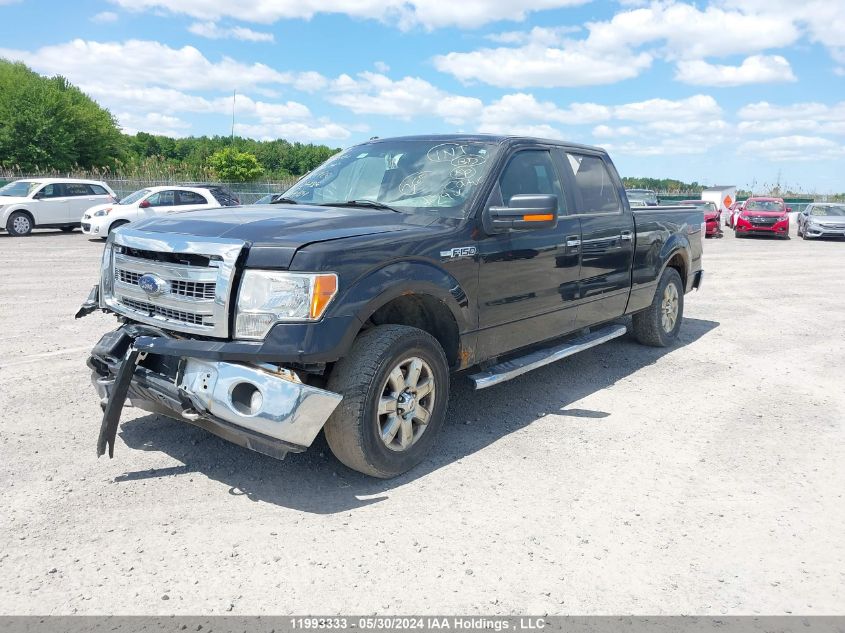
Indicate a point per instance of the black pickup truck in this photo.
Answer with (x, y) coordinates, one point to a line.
(345, 304)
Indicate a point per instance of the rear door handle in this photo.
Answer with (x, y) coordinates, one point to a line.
(627, 236)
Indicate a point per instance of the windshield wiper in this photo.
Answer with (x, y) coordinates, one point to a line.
(281, 200)
(371, 204)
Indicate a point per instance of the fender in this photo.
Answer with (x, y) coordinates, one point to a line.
(676, 244)
(378, 287)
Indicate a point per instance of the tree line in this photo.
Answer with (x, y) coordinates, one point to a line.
(49, 125)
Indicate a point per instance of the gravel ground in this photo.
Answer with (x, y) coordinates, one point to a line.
(707, 478)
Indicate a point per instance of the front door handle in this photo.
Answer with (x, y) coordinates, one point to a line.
(627, 236)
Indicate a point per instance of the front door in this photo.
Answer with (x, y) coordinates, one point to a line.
(52, 205)
(607, 240)
(528, 279)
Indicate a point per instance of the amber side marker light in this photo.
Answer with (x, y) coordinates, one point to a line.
(325, 288)
(538, 217)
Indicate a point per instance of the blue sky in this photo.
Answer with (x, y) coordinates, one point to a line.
(726, 91)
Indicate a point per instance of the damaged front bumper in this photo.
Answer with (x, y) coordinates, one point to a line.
(261, 407)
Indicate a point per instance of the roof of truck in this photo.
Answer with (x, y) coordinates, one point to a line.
(485, 138)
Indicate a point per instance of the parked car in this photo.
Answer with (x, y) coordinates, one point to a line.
(822, 219)
(712, 216)
(734, 210)
(763, 216)
(102, 219)
(49, 203)
(642, 195)
(392, 264)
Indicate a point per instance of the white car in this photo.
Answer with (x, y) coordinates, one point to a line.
(99, 221)
(49, 203)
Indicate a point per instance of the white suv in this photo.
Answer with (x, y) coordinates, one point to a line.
(99, 221)
(48, 203)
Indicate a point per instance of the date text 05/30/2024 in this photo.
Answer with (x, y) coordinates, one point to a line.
(455, 623)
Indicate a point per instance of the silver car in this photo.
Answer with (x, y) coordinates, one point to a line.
(822, 219)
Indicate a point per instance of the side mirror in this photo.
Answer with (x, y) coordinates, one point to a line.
(38, 195)
(804, 212)
(144, 204)
(788, 209)
(524, 211)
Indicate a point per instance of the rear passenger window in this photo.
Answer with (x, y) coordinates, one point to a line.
(99, 191)
(78, 189)
(598, 193)
(189, 197)
(530, 172)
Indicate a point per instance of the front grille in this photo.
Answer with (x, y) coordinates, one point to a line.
(763, 221)
(192, 289)
(189, 289)
(833, 227)
(161, 311)
(192, 274)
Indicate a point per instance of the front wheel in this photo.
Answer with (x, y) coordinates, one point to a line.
(19, 224)
(395, 388)
(659, 324)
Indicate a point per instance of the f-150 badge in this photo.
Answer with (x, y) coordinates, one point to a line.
(459, 251)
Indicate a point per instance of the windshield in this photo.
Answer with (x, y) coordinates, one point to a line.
(412, 176)
(134, 197)
(19, 189)
(642, 194)
(828, 209)
(763, 205)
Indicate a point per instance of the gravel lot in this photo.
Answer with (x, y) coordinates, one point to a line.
(703, 479)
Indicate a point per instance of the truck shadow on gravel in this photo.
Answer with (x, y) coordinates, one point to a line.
(316, 482)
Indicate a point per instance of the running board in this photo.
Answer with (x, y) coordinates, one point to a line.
(516, 367)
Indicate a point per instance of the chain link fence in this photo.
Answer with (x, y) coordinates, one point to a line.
(246, 192)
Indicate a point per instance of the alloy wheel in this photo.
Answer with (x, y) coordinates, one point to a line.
(405, 404)
(669, 308)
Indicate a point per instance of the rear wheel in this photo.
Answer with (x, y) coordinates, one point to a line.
(659, 324)
(395, 387)
(19, 224)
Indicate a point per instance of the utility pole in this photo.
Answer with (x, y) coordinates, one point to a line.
(234, 92)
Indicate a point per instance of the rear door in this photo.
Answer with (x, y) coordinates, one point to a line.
(528, 279)
(81, 197)
(607, 239)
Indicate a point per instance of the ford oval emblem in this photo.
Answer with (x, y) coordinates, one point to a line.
(153, 285)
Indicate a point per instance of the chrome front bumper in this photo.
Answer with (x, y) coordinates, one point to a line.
(271, 412)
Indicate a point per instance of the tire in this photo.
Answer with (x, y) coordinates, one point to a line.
(19, 224)
(798, 231)
(117, 224)
(355, 430)
(650, 326)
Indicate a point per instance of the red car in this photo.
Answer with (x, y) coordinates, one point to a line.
(712, 216)
(763, 216)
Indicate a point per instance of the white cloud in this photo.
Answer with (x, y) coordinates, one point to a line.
(405, 13)
(381, 67)
(153, 123)
(623, 47)
(105, 17)
(522, 113)
(794, 148)
(535, 64)
(406, 98)
(214, 31)
(756, 69)
(808, 117)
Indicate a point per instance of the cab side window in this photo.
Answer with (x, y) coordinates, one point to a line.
(598, 193)
(78, 189)
(531, 172)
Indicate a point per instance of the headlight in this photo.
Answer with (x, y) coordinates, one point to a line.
(268, 297)
(102, 212)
